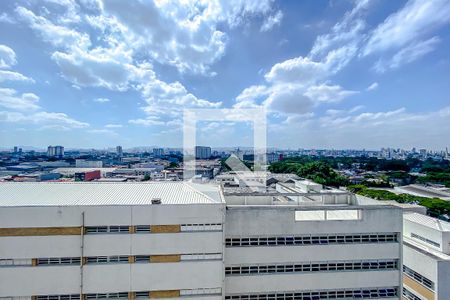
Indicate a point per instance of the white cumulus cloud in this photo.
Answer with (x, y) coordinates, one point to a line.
(7, 57)
(271, 21)
(372, 87)
(26, 101)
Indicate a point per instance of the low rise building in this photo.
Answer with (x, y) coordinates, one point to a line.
(87, 176)
(70, 172)
(83, 163)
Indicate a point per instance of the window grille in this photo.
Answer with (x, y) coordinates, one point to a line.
(311, 240)
(59, 261)
(318, 295)
(313, 267)
(418, 277)
(106, 259)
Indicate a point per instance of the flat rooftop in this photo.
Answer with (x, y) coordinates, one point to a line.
(427, 221)
(105, 193)
(425, 191)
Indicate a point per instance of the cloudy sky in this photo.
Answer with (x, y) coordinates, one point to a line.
(330, 74)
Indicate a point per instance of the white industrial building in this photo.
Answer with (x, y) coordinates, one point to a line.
(426, 262)
(64, 240)
(178, 240)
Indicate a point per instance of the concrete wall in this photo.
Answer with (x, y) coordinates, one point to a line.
(443, 286)
(317, 281)
(434, 235)
(419, 262)
(245, 221)
(289, 254)
(25, 281)
(278, 220)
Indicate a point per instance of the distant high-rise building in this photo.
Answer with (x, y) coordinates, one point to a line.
(119, 151)
(239, 153)
(55, 151)
(15, 149)
(202, 152)
(423, 152)
(158, 152)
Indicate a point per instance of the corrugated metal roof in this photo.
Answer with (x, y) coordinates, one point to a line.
(427, 221)
(82, 193)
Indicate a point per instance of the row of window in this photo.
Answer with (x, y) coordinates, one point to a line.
(424, 239)
(15, 262)
(201, 227)
(409, 295)
(59, 261)
(59, 297)
(121, 259)
(107, 259)
(124, 295)
(312, 240)
(106, 229)
(147, 228)
(314, 267)
(318, 295)
(418, 277)
(90, 296)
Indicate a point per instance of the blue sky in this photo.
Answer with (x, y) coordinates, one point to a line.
(330, 74)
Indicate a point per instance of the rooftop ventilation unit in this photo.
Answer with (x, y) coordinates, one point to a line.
(156, 201)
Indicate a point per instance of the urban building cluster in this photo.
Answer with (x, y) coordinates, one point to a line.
(114, 165)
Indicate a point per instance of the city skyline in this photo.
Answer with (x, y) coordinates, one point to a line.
(331, 74)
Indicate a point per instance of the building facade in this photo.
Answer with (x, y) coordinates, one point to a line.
(202, 152)
(158, 152)
(180, 240)
(285, 250)
(426, 250)
(55, 151)
(119, 151)
(79, 247)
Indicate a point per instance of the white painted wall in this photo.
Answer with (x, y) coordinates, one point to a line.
(317, 281)
(245, 221)
(289, 254)
(279, 220)
(443, 285)
(419, 262)
(108, 278)
(434, 235)
(28, 281)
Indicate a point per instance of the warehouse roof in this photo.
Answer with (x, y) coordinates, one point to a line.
(427, 221)
(82, 193)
